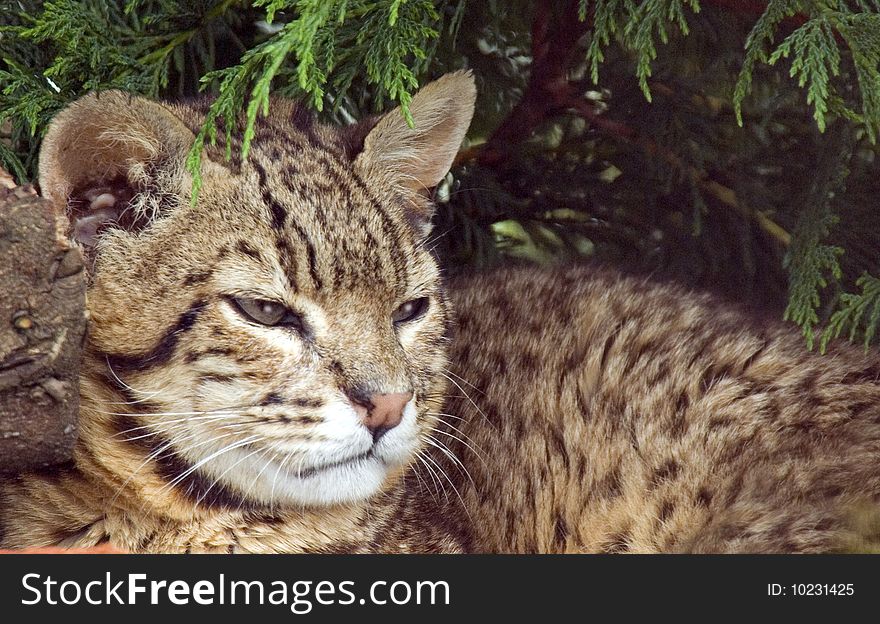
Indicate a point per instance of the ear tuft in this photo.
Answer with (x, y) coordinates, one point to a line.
(112, 154)
(418, 158)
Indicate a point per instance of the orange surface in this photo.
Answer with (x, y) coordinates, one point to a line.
(102, 549)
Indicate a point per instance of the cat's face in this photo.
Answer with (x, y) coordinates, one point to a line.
(283, 339)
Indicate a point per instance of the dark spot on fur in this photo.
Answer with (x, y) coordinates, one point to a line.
(499, 364)
(560, 531)
(266, 518)
(312, 403)
(221, 351)
(720, 422)
(667, 472)
(198, 488)
(277, 212)
(731, 530)
(826, 524)
(606, 348)
(678, 426)
(638, 356)
(665, 511)
(857, 408)
(869, 375)
(249, 250)
(660, 374)
(754, 357)
(311, 254)
(807, 384)
(273, 398)
(128, 428)
(336, 368)
(558, 442)
(581, 403)
(611, 485)
(709, 378)
(830, 490)
(147, 539)
(529, 362)
(216, 377)
(164, 349)
(197, 278)
(704, 497)
(682, 403)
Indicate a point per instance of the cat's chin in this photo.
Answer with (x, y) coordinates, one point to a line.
(341, 483)
(353, 480)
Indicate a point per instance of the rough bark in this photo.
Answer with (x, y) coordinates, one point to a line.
(42, 326)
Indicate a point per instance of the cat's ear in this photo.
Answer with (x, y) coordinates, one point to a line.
(114, 159)
(417, 158)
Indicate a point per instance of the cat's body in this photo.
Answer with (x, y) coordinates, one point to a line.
(267, 371)
(621, 415)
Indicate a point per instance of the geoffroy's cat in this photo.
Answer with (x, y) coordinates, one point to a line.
(280, 367)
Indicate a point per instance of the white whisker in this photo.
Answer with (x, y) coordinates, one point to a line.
(205, 460)
(476, 450)
(438, 485)
(223, 474)
(455, 489)
(463, 380)
(422, 484)
(171, 422)
(477, 407)
(268, 450)
(445, 450)
(152, 456)
(445, 414)
(130, 388)
(287, 458)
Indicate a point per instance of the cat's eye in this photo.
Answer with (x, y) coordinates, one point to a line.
(410, 310)
(267, 312)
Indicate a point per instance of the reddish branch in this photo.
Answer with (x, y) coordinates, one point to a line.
(554, 42)
(549, 92)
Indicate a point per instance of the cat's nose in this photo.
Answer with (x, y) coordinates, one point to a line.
(381, 413)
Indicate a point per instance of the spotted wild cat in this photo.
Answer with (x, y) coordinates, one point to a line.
(281, 368)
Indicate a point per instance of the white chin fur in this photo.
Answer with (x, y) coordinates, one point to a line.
(301, 483)
(347, 483)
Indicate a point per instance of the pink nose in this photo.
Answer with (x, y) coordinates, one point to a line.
(380, 413)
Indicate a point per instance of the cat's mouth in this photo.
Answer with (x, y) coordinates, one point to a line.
(311, 472)
(327, 481)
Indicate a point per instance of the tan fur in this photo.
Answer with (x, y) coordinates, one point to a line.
(581, 410)
(620, 415)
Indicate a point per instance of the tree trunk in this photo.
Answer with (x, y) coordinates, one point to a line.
(42, 327)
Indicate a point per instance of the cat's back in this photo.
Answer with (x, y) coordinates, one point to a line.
(620, 414)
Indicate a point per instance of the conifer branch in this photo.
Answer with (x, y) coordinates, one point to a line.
(549, 92)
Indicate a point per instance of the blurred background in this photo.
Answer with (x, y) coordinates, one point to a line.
(726, 144)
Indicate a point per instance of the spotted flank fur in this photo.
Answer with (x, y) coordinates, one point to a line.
(280, 367)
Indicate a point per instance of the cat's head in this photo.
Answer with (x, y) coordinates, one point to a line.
(282, 339)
